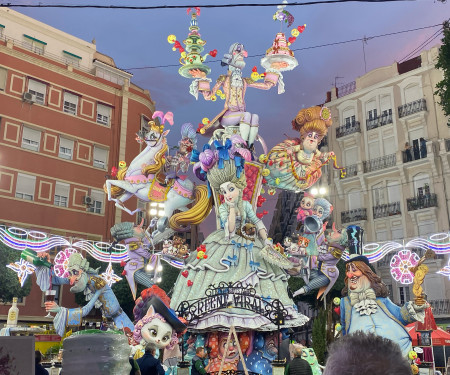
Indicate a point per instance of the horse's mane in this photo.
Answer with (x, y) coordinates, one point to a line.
(115, 190)
(159, 162)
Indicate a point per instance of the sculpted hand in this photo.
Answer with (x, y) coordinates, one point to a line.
(52, 307)
(44, 255)
(420, 308)
(197, 73)
(279, 65)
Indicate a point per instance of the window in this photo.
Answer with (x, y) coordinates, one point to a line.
(351, 156)
(33, 44)
(374, 150)
(404, 294)
(420, 180)
(354, 200)
(109, 76)
(65, 148)
(100, 157)
(378, 194)
(103, 114)
(426, 228)
(389, 146)
(31, 139)
(390, 290)
(381, 235)
(412, 93)
(144, 124)
(394, 193)
(70, 103)
(71, 58)
(25, 186)
(3, 75)
(61, 194)
(97, 201)
(38, 89)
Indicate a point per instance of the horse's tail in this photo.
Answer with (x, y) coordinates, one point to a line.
(115, 190)
(197, 213)
(160, 160)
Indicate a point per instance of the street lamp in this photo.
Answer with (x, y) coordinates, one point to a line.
(321, 191)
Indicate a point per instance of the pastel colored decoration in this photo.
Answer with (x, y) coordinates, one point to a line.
(400, 265)
(109, 276)
(62, 260)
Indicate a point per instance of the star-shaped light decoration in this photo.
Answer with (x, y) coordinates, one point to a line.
(445, 271)
(109, 276)
(23, 269)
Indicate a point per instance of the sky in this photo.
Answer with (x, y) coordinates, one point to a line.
(138, 38)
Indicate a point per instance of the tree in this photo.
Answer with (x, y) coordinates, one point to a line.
(9, 283)
(443, 63)
(319, 342)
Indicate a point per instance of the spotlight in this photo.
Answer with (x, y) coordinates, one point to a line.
(161, 213)
(314, 191)
(159, 279)
(159, 269)
(322, 190)
(153, 211)
(149, 267)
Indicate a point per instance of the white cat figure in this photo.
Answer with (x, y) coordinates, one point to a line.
(153, 328)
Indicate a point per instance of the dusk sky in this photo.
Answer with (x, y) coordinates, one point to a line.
(138, 38)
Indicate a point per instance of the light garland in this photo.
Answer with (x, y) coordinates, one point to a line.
(446, 270)
(400, 265)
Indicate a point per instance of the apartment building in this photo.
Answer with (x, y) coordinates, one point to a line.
(394, 140)
(68, 115)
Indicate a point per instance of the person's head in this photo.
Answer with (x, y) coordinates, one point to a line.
(313, 124)
(298, 351)
(37, 356)
(365, 353)
(200, 352)
(406, 144)
(150, 348)
(359, 277)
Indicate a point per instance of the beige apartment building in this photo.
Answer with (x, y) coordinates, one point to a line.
(391, 135)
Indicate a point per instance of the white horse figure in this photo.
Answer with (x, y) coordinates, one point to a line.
(140, 180)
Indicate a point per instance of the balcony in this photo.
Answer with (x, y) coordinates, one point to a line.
(440, 306)
(379, 163)
(424, 201)
(349, 128)
(350, 171)
(412, 107)
(447, 145)
(378, 121)
(353, 215)
(384, 210)
(415, 154)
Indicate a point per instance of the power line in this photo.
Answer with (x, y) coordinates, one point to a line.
(303, 48)
(423, 44)
(154, 7)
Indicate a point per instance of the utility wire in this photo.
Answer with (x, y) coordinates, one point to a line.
(303, 48)
(154, 7)
(423, 44)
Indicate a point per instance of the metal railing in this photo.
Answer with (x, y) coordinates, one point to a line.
(412, 107)
(346, 89)
(350, 171)
(44, 53)
(349, 128)
(379, 163)
(382, 120)
(424, 201)
(353, 215)
(440, 306)
(384, 210)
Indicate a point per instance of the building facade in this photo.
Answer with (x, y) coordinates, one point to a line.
(392, 137)
(67, 116)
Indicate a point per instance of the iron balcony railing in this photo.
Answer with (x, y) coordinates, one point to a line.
(379, 163)
(353, 215)
(424, 201)
(348, 128)
(412, 107)
(382, 120)
(350, 171)
(440, 306)
(384, 210)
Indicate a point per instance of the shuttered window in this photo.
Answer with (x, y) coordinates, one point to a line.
(61, 194)
(25, 186)
(31, 139)
(103, 114)
(70, 103)
(100, 157)
(65, 148)
(38, 89)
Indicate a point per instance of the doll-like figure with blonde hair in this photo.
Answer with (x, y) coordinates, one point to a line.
(232, 252)
(295, 164)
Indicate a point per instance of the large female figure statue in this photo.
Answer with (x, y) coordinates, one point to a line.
(233, 252)
(295, 164)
